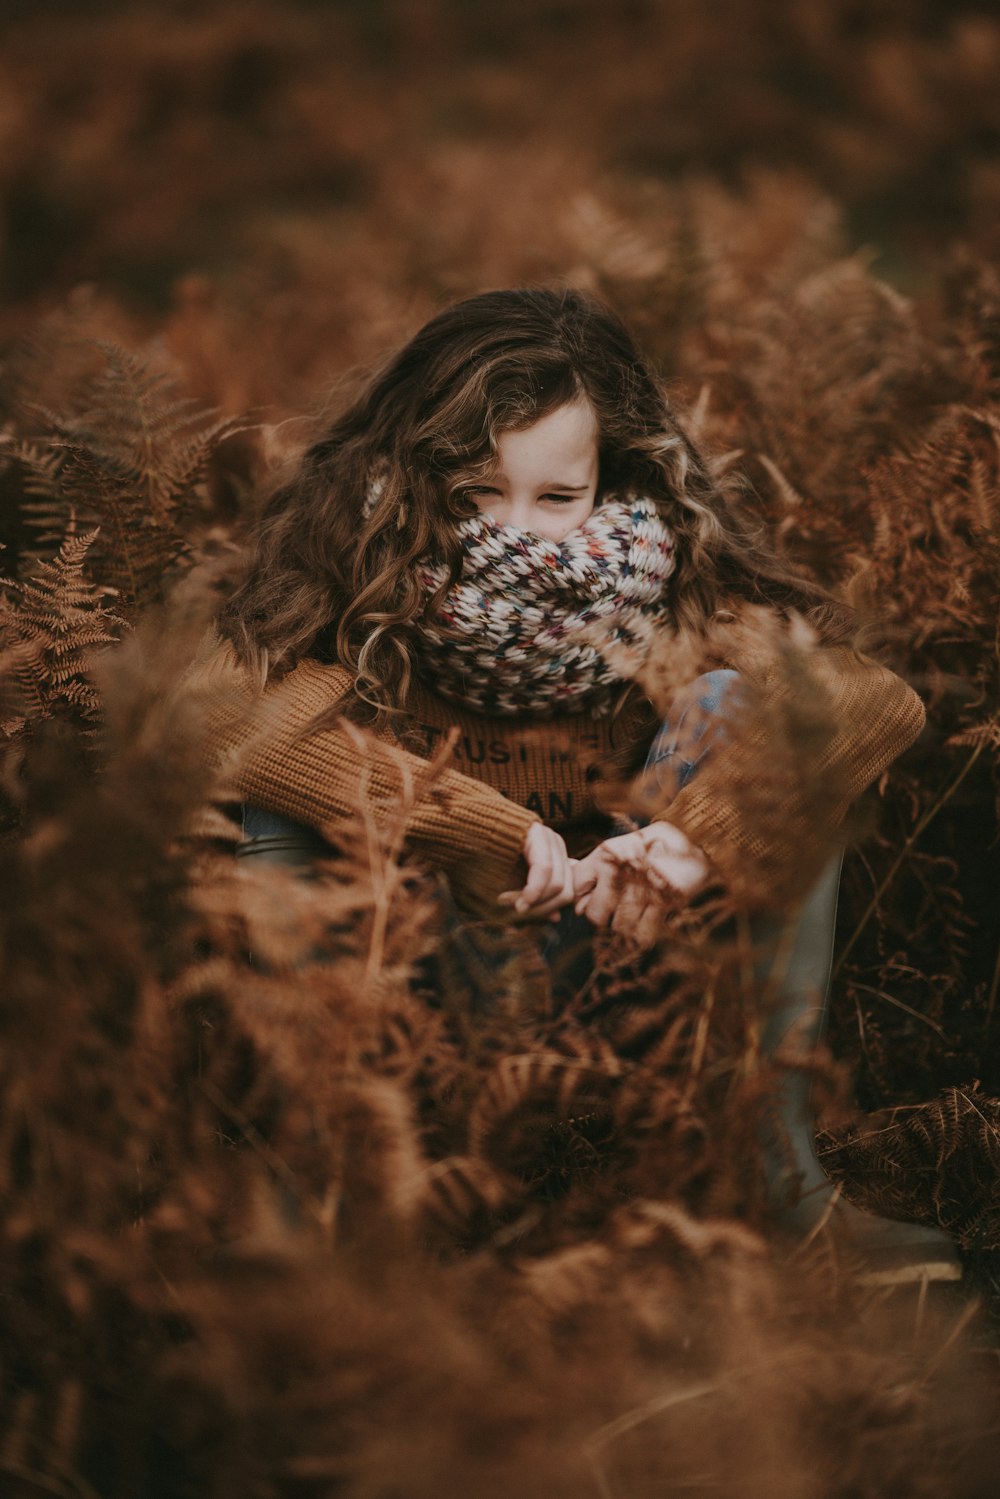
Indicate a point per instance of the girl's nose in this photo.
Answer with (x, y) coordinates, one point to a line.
(521, 513)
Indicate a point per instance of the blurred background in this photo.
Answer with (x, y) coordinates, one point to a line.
(318, 176)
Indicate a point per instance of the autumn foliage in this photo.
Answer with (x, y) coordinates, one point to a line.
(283, 1214)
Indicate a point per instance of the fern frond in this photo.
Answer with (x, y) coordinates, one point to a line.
(162, 438)
(128, 453)
(50, 625)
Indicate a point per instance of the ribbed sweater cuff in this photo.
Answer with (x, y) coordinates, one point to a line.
(477, 841)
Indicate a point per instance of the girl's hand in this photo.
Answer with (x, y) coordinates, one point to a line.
(661, 855)
(550, 883)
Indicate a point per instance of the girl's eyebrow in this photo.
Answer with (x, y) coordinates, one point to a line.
(553, 484)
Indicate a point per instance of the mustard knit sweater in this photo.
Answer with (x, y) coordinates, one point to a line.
(759, 809)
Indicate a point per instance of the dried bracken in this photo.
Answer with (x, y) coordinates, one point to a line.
(287, 1210)
(127, 453)
(51, 624)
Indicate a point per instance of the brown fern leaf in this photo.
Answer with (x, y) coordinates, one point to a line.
(934, 507)
(535, 1112)
(128, 453)
(50, 624)
(465, 1197)
(972, 303)
(564, 1284)
(409, 1032)
(938, 1161)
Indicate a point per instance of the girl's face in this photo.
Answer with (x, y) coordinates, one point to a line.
(545, 477)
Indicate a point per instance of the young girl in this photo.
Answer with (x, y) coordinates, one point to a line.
(511, 495)
(513, 481)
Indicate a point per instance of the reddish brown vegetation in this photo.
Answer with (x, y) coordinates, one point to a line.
(296, 1224)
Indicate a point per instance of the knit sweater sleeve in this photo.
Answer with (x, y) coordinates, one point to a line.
(269, 751)
(767, 804)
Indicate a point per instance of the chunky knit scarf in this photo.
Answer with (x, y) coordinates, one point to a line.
(526, 627)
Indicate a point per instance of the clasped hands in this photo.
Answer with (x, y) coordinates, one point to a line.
(598, 886)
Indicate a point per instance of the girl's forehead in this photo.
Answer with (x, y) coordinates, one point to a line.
(568, 434)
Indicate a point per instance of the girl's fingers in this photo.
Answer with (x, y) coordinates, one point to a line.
(598, 905)
(682, 872)
(630, 905)
(547, 908)
(672, 859)
(550, 874)
(552, 902)
(620, 882)
(649, 925)
(547, 884)
(665, 835)
(561, 895)
(535, 886)
(619, 898)
(551, 899)
(627, 848)
(539, 853)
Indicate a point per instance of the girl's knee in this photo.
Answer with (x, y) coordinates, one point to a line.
(697, 721)
(713, 691)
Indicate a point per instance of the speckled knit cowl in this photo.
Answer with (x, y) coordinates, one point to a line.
(516, 633)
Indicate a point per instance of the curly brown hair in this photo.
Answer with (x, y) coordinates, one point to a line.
(332, 574)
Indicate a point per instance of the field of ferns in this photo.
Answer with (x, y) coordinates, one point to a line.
(277, 1228)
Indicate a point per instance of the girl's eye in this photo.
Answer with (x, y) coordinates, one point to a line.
(478, 492)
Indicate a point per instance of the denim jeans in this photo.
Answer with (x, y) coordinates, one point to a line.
(697, 722)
